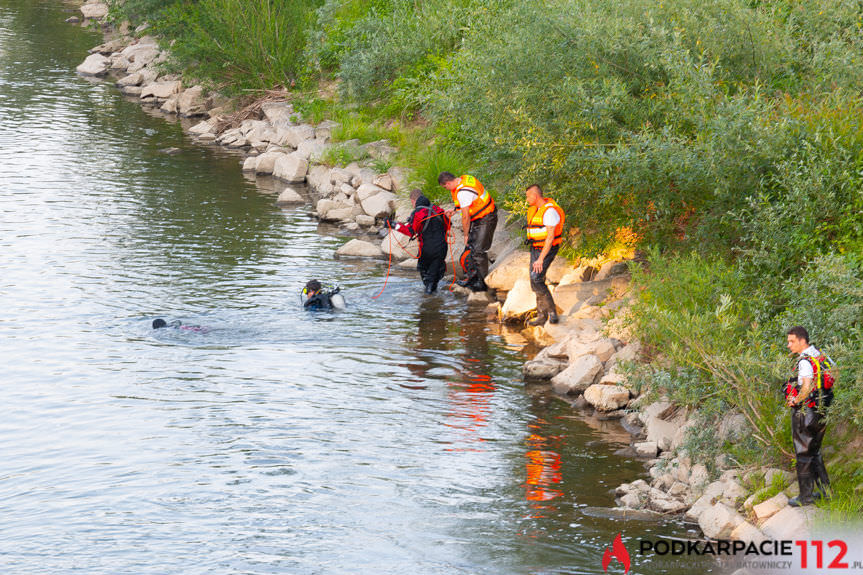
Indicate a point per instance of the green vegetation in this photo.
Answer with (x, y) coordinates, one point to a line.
(724, 138)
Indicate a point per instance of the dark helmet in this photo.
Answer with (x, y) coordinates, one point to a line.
(313, 286)
(158, 323)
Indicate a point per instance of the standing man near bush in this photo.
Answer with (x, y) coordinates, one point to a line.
(808, 393)
(478, 221)
(544, 233)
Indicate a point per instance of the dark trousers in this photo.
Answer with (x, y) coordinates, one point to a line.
(432, 266)
(479, 239)
(807, 429)
(544, 302)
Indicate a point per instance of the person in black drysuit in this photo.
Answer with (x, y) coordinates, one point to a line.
(430, 224)
(317, 297)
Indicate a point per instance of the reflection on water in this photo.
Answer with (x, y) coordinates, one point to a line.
(393, 437)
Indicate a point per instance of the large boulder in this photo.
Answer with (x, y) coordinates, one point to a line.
(291, 168)
(368, 190)
(788, 523)
(312, 150)
(131, 80)
(719, 521)
(360, 249)
(278, 114)
(324, 130)
(94, 10)
(661, 431)
(770, 507)
(397, 244)
(204, 127)
(733, 428)
(293, 136)
(266, 162)
(578, 376)
(542, 368)
(568, 296)
(519, 301)
(192, 102)
(509, 270)
(606, 397)
(339, 176)
(161, 90)
(94, 65)
(141, 57)
(379, 205)
(747, 532)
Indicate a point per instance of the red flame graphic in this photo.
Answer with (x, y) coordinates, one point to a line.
(619, 552)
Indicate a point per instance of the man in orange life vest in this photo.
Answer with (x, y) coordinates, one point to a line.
(544, 234)
(478, 221)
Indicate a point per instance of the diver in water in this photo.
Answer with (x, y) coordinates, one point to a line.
(159, 323)
(319, 297)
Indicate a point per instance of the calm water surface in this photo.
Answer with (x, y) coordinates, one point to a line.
(395, 437)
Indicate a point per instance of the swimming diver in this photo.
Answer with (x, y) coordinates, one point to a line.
(318, 297)
(159, 323)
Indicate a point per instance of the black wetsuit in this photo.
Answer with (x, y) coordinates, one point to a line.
(431, 225)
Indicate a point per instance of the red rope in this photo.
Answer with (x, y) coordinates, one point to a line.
(389, 263)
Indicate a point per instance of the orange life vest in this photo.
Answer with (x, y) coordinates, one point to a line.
(482, 205)
(536, 230)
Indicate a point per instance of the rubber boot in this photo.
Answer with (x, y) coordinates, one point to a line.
(806, 481)
(822, 480)
(550, 309)
(541, 312)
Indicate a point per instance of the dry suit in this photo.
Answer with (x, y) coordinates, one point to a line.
(430, 224)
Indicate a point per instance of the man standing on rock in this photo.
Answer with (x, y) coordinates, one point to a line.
(808, 393)
(430, 224)
(478, 221)
(544, 233)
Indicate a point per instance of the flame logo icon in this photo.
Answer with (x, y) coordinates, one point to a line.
(617, 551)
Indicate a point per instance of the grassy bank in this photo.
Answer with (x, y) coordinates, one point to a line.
(724, 138)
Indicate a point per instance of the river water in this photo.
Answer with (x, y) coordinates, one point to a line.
(394, 437)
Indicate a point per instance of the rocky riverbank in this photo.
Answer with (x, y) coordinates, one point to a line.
(582, 357)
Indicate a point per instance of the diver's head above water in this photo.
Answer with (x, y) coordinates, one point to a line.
(159, 323)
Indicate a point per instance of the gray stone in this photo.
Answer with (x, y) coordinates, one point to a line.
(384, 181)
(787, 523)
(290, 196)
(770, 507)
(542, 368)
(293, 136)
(161, 90)
(131, 90)
(699, 476)
(339, 176)
(359, 248)
(661, 431)
(606, 397)
(747, 532)
(249, 163)
(205, 127)
(519, 301)
(94, 65)
(131, 80)
(324, 130)
(169, 106)
(719, 521)
(94, 10)
(578, 376)
(646, 448)
(396, 243)
(633, 501)
(291, 168)
(567, 296)
(378, 205)
(364, 220)
(192, 102)
(312, 150)
(266, 162)
(733, 428)
(610, 269)
(505, 272)
(278, 114)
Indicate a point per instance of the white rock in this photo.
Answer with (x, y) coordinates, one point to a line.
(770, 507)
(142, 57)
(323, 206)
(192, 102)
(632, 500)
(699, 476)
(94, 65)
(787, 523)
(733, 428)
(365, 221)
(249, 163)
(290, 196)
(131, 80)
(266, 162)
(161, 90)
(359, 248)
(734, 493)
(339, 215)
(519, 301)
(398, 245)
(606, 397)
(169, 106)
(291, 168)
(312, 150)
(747, 532)
(379, 205)
(94, 10)
(719, 521)
(293, 136)
(278, 114)
(661, 431)
(368, 190)
(506, 272)
(478, 297)
(205, 127)
(646, 448)
(711, 493)
(542, 368)
(339, 176)
(578, 376)
(384, 181)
